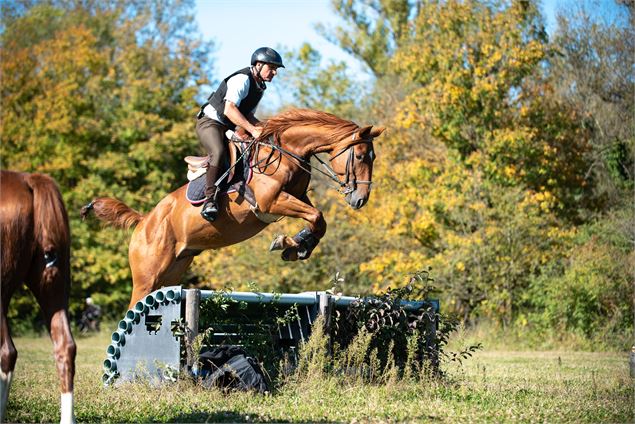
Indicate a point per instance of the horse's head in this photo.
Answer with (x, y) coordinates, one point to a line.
(353, 163)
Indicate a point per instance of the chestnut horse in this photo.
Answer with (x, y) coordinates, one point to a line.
(36, 250)
(166, 240)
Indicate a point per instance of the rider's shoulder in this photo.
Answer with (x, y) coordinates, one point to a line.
(238, 77)
(238, 81)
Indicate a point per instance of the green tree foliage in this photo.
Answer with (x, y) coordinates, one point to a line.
(494, 163)
(374, 30)
(101, 95)
(589, 294)
(329, 89)
(507, 165)
(593, 72)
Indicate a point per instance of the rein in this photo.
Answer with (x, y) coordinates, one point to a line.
(305, 165)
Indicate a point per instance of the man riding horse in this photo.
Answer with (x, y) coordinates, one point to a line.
(166, 240)
(232, 104)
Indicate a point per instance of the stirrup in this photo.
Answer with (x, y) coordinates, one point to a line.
(210, 210)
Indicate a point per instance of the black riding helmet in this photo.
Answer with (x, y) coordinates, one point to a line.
(266, 55)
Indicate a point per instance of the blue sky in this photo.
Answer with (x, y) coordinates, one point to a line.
(241, 26)
(238, 27)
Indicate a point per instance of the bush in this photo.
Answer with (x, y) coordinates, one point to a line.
(590, 295)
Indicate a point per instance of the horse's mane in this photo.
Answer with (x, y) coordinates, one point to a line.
(338, 127)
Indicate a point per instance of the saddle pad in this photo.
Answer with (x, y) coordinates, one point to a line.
(195, 193)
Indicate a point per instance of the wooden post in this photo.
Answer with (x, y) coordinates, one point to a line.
(192, 303)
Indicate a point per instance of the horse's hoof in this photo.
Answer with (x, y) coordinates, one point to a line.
(289, 254)
(277, 243)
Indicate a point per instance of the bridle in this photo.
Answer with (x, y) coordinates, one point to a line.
(347, 186)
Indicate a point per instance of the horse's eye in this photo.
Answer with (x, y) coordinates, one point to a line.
(360, 157)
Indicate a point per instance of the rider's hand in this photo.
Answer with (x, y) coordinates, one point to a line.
(256, 132)
(241, 133)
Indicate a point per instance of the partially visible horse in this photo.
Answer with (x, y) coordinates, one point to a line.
(166, 240)
(36, 250)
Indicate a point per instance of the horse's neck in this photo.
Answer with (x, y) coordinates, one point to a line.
(306, 143)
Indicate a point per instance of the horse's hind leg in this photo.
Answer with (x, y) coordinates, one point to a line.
(8, 356)
(152, 273)
(152, 254)
(53, 301)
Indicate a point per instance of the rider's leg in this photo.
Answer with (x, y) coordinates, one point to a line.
(211, 136)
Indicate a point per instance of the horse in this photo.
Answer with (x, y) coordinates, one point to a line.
(35, 240)
(166, 240)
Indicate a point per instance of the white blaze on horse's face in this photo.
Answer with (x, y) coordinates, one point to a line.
(355, 165)
(360, 175)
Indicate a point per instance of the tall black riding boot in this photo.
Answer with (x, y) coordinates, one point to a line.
(209, 211)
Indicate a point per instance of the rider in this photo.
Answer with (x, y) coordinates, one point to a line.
(91, 315)
(232, 104)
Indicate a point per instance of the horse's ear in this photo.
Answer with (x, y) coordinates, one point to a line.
(376, 131)
(370, 132)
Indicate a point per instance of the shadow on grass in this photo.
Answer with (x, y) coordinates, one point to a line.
(234, 417)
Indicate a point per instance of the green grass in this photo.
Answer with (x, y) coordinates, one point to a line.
(494, 386)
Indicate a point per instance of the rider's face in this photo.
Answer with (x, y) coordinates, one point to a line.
(268, 71)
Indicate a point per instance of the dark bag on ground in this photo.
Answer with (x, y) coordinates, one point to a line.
(231, 368)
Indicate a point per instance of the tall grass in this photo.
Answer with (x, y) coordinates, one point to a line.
(499, 386)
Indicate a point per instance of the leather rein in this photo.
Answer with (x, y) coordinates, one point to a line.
(348, 185)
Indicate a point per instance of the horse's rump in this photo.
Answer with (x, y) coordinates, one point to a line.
(36, 251)
(16, 228)
(49, 214)
(34, 220)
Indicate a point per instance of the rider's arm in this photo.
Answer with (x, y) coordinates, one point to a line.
(252, 118)
(234, 115)
(237, 90)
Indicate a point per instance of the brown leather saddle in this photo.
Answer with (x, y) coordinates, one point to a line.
(197, 165)
(236, 171)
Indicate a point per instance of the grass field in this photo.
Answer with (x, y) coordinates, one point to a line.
(494, 386)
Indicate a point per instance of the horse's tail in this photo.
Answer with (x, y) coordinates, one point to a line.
(112, 211)
(51, 227)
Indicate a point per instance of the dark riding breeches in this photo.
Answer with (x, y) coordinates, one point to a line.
(211, 135)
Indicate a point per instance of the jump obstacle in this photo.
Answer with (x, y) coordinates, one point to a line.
(150, 342)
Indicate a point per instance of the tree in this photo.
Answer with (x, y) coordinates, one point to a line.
(375, 30)
(486, 174)
(593, 73)
(101, 96)
(329, 89)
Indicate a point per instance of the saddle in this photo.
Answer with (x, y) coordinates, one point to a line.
(236, 171)
(236, 180)
(197, 165)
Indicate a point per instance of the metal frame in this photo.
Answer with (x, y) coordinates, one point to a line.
(147, 342)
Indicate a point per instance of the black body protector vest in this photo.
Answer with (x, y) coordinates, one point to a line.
(217, 99)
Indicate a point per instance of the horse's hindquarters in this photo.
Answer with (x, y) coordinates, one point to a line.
(235, 223)
(165, 242)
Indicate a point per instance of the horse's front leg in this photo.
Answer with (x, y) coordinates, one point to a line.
(302, 244)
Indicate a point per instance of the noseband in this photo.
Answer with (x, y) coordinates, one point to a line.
(348, 184)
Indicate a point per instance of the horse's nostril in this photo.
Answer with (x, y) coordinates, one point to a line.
(360, 203)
